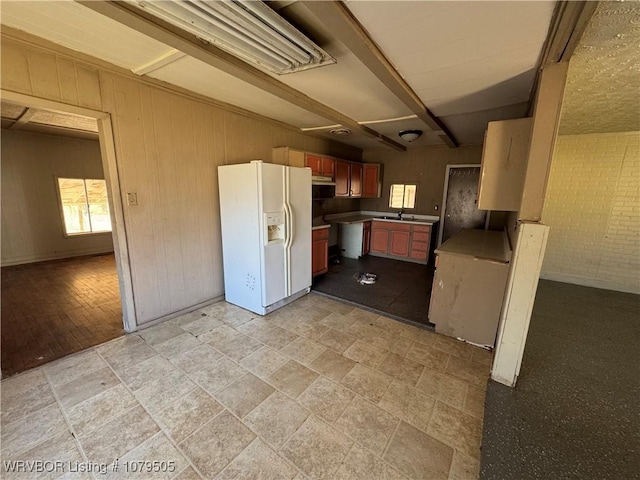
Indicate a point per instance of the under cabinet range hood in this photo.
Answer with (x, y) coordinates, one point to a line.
(322, 188)
(247, 29)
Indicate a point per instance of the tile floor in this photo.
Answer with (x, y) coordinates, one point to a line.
(317, 389)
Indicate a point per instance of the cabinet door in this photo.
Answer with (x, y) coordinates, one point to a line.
(371, 180)
(328, 167)
(315, 163)
(379, 240)
(366, 238)
(356, 180)
(342, 179)
(319, 256)
(399, 243)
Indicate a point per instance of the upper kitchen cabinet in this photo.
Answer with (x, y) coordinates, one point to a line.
(320, 165)
(504, 164)
(343, 179)
(356, 180)
(371, 180)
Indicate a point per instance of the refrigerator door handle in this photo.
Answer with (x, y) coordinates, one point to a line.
(289, 233)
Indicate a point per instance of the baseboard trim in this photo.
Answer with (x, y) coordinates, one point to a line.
(589, 282)
(164, 318)
(55, 256)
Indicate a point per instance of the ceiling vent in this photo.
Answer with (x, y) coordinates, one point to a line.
(341, 132)
(249, 30)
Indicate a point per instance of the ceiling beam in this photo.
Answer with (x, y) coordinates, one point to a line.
(24, 118)
(346, 28)
(187, 43)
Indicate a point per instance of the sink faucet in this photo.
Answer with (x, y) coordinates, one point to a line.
(400, 214)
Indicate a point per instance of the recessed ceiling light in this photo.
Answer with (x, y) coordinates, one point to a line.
(342, 132)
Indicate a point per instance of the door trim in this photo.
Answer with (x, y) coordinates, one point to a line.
(444, 196)
(110, 167)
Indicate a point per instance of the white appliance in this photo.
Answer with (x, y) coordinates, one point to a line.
(265, 210)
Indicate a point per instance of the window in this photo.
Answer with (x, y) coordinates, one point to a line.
(85, 208)
(402, 196)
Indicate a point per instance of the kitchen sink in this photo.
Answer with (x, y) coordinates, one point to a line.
(396, 218)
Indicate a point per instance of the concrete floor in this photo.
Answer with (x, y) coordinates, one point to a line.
(574, 411)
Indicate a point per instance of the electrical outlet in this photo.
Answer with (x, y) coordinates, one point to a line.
(132, 199)
(436, 208)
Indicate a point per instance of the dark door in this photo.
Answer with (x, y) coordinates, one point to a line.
(461, 210)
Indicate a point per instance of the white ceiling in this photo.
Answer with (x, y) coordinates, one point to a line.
(602, 94)
(470, 62)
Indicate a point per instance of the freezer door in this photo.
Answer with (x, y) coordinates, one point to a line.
(299, 250)
(272, 194)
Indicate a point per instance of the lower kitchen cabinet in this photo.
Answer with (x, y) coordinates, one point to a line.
(319, 251)
(403, 241)
(400, 242)
(366, 238)
(379, 238)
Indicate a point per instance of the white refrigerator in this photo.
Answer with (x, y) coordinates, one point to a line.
(265, 211)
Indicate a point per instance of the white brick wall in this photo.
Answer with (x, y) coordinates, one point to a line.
(593, 208)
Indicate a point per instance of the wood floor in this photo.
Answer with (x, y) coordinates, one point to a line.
(53, 309)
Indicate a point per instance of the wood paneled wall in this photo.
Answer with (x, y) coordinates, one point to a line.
(168, 147)
(32, 228)
(424, 166)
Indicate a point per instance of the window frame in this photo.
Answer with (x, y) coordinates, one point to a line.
(61, 208)
(404, 192)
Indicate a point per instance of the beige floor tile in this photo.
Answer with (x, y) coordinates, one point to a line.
(308, 328)
(292, 378)
(85, 387)
(19, 402)
(156, 449)
(276, 419)
(303, 350)
(418, 455)
(272, 335)
(60, 448)
(222, 334)
(482, 356)
(332, 365)
(363, 315)
(409, 404)
(263, 362)
(464, 467)
(157, 383)
(398, 345)
(363, 465)
(457, 429)
(213, 446)
(74, 366)
(189, 413)
(337, 321)
(237, 318)
(367, 382)
(260, 462)
(474, 402)
(160, 333)
(202, 325)
(429, 357)
(326, 399)
(453, 347)
(239, 347)
(317, 449)
(365, 353)
(336, 340)
(177, 345)
(444, 387)
(23, 382)
(28, 431)
(334, 306)
(209, 368)
(401, 368)
(474, 373)
(119, 436)
(420, 335)
(365, 331)
(188, 317)
(100, 409)
(244, 394)
(389, 325)
(367, 424)
(125, 352)
(188, 474)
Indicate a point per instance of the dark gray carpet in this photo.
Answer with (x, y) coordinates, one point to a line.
(402, 289)
(574, 411)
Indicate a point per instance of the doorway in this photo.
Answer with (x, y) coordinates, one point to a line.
(66, 283)
(459, 202)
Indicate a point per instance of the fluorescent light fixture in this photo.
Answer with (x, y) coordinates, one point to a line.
(249, 30)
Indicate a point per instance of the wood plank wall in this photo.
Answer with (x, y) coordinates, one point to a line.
(168, 147)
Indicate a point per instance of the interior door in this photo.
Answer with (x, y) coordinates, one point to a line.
(461, 209)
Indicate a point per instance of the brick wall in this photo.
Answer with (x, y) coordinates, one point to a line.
(593, 208)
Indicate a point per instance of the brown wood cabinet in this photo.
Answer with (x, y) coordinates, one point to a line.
(399, 243)
(319, 251)
(366, 238)
(356, 180)
(371, 180)
(379, 238)
(343, 179)
(403, 241)
(320, 165)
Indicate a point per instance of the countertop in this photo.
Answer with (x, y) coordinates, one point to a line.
(365, 218)
(319, 227)
(482, 244)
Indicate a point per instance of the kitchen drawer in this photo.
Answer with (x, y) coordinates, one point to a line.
(320, 234)
(422, 246)
(418, 254)
(420, 237)
(421, 228)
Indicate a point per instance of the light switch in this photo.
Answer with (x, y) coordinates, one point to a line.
(132, 199)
